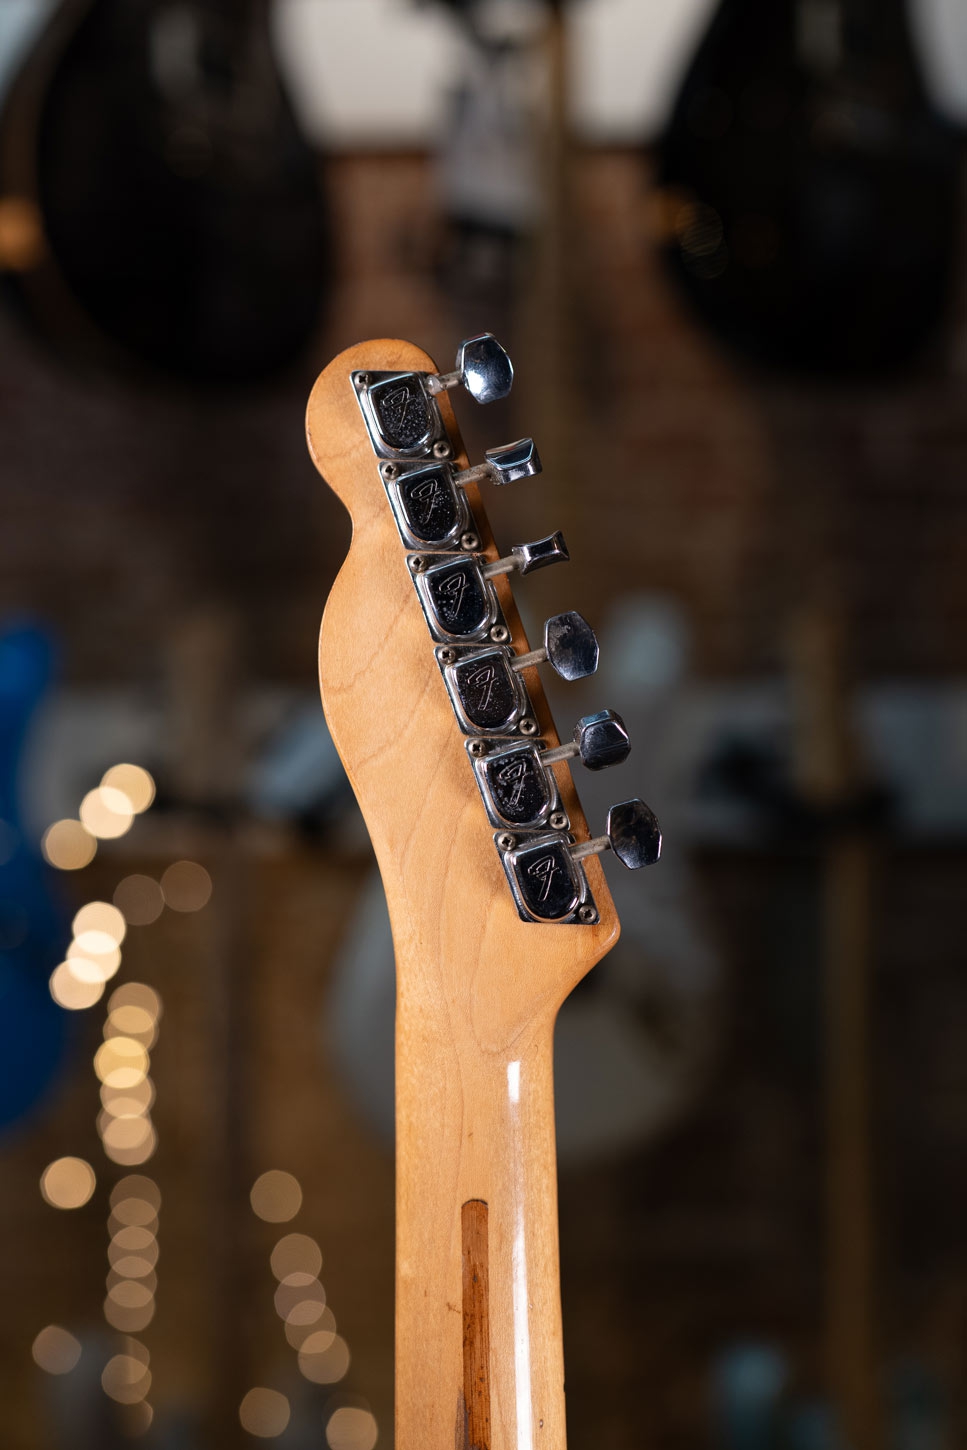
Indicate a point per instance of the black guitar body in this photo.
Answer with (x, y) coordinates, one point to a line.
(811, 189)
(181, 207)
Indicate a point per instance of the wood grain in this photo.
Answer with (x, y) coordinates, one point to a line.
(476, 1325)
(478, 990)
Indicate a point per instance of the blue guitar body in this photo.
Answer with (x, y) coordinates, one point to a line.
(33, 928)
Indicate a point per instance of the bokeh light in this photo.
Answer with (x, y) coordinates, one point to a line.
(297, 1296)
(329, 1365)
(128, 1102)
(323, 1324)
(318, 1340)
(56, 1350)
(129, 1319)
(276, 1196)
(146, 1279)
(133, 1240)
(134, 1155)
(296, 1254)
(68, 845)
(106, 812)
(138, 1187)
(186, 886)
(121, 1062)
(351, 1428)
(22, 241)
(139, 899)
(123, 1132)
(100, 917)
(70, 992)
(264, 1413)
(134, 782)
(99, 951)
(131, 1022)
(126, 1379)
(136, 994)
(67, 1182)
(92, 970)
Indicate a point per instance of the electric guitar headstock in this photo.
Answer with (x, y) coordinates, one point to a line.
(433, 694)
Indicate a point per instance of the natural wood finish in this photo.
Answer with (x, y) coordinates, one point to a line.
(477, 989)
(476, 1325)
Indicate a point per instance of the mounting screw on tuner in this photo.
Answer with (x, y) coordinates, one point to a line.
(506, 841)
(483, 367)
(570, 647)
(632, 833)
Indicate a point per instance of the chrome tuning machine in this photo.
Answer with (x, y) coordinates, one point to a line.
(504, 464)
(601, 740)
(570, 647)
(483, 367)
(525, 558)
(517, 788)
(632, 833)
(545, 872)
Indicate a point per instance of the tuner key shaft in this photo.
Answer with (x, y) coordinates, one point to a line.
(633, 834)
(525, 558)
(570, 647)
(504, 464)
(483, 367)
(600, 740)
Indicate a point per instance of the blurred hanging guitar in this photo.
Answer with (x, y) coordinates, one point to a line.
(158, 202)
(497, 900)
(811, 188)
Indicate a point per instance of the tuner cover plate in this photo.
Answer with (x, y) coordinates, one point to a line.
(402, 418)
(459, 603)
(548, 885)
(429, 509)
(488, 697)
(518, 790)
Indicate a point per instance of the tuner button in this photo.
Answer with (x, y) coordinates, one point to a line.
(602, 740)
(511, 461)
(634, 834)
(504, 464)
(483, 367)
(571, 646)
(542, 552)
(525, 558)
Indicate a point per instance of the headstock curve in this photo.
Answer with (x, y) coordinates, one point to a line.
(393, 721)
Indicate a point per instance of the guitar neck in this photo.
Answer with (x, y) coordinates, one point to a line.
(479, 1360)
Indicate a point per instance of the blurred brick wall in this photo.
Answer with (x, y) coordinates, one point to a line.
(122, 512)
(684, 472)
